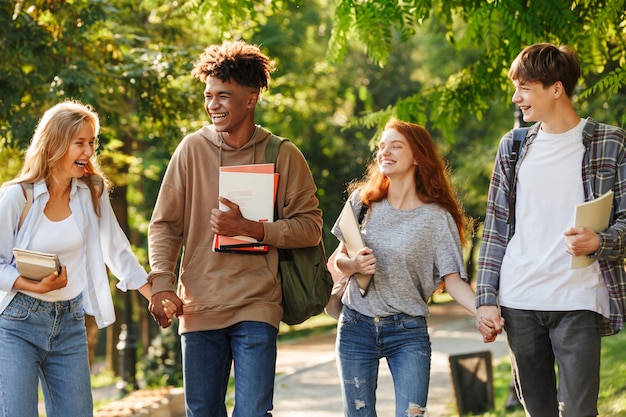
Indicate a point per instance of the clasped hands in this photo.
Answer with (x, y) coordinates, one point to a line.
(489, 322)
(164, 306)
(579, 241)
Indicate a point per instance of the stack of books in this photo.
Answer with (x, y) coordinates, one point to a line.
(36, 265)
(253, 189)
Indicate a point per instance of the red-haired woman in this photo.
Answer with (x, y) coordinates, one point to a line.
(413, 234)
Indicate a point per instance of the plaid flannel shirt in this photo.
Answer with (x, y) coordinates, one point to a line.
(603, 169)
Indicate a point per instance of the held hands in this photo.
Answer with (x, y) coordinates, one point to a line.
(164, 306)
(581, 241)
(489, 322)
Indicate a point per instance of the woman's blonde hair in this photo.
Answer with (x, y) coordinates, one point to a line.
(58, 126)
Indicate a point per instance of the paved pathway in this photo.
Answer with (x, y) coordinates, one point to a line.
(307, 384)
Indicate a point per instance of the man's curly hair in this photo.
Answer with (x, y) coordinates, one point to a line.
(238, 61)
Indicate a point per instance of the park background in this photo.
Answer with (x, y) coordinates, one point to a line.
(344, 67)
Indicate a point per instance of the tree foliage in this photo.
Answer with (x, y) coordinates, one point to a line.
(497, 30)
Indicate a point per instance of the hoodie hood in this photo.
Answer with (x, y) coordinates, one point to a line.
(247, 154)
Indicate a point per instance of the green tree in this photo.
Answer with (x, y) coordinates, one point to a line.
(497, 31)
(123, 59)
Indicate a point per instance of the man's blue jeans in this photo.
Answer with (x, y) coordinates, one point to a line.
(571, 338)
(44, 341)
(362, 341)
(207, 360)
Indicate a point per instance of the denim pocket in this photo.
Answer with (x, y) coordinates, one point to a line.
(15, 311)
(414, 323)
(348, 316)
(348, 319)
(78, 313)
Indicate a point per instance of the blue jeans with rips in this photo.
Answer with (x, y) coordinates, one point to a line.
(362, 341)
(44, 342)
(571, 338)
(207, 360)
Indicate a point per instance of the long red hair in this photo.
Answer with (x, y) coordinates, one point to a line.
(432, 182)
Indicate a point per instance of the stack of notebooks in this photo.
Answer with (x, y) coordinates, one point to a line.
(253, 189)
(36, 265)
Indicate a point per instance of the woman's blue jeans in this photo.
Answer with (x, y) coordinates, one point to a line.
(362, 341)
(571, 338)
(44, 342)
(207, 359)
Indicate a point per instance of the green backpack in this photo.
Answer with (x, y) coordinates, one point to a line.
(305, 280)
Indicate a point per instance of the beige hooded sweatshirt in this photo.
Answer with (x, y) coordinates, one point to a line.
(220, 289)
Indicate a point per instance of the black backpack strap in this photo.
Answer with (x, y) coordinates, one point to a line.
(362, 213)
(518, 138)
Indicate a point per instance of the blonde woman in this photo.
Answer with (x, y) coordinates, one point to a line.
(42, 330)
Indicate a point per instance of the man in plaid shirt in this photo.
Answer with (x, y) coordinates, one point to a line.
(550, 310)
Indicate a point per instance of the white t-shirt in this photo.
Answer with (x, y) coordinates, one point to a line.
(536, 272)
(64, 239)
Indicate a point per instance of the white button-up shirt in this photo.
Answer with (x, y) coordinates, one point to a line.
(105, 244)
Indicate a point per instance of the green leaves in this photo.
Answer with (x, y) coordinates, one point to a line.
(498, 30)
(611, 83)
(373, 25)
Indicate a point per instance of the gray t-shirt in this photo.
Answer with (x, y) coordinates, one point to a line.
(414, 250)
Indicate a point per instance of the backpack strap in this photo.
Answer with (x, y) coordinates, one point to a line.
(518, 138)
(362, 213)
(272, 148)
(271, 154)
(97, 182)
(27, 189)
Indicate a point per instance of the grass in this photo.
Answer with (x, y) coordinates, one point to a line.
(319, 324)
(104, 378)
(612, 399)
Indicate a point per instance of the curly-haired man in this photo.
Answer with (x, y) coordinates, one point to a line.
(229, 304)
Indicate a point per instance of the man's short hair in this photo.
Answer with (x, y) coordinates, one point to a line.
(547, 64)
(238, 61)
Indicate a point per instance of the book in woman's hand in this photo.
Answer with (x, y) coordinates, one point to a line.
(36, 265)
(352, 238)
